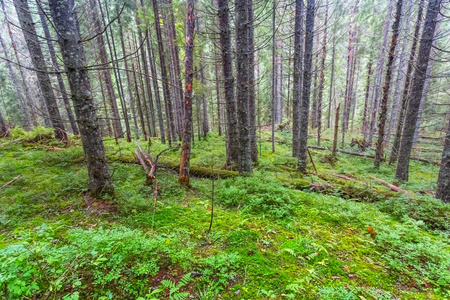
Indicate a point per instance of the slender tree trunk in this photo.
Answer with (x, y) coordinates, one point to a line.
(218, 92)
(62, 87)
(105, 107)
(205, 123)
(336, 130)
(27, 119)
(443, 184)
(365, 120)
(117, 126)
(225, 41)
(418, 82)
(379, 71)
(164, 77)
(127, 74)
(304, 107)
(387, 81)
(242, 88)
(151, 59)
(189, 76)
(330, 96)
(322, 77)
(251, 83)
(150, 115)
(37, 58)
(406, 90)
(65, 23)
(401, 72)
(115, 63)
(176, 62)
(28, 99)
(273, 118)
(316, 72)
(351, 59)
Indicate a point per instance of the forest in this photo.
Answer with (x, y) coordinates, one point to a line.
(216, 149)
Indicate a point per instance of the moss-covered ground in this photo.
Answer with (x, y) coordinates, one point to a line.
(274, 236)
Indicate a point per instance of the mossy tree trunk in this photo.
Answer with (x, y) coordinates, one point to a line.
(65, 22)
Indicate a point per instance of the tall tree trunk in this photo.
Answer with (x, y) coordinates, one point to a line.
(164, 77)
(115, 63)
(387, 81)
(65, 22)
(304, 106)
(27, 125)
(117, 126)
(127, 74)
(205, 123)
(242, 88)
(225, 41)
(150, 115)
(218, 91)
(37, 58)
(418, 82)
(427, 82)
(351, 59)
(274, 89)
(105, 107)
(379, 71)
(401, 71)
(189, 76)
(251, 83)
(62, 87)
(322, 77)
(365, 120)
(406, 90)
(443, 183)
(28, 99)
(316, 72)
(176, 62)
(330, 96)
(151, 58)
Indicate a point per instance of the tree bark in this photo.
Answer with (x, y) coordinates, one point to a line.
(62, 87)
(401, 71)
(330, 96)
(65, 22)
(227, 62)
(379, 71)
(322, 77)
(304, 106)
(365, 120)
(242, 88)
(189, 76)
(164, 77)
(406, 90)
(251, 83)
(387, 81)
(418, 81)
(37, 58)
(274, 81)
(443, 184)
(117, 126)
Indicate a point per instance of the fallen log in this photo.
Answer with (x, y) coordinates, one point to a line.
(391, 186)
(194, 171)
(11, 181)
(433, 162)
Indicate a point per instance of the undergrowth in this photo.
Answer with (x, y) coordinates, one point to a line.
(272, 237)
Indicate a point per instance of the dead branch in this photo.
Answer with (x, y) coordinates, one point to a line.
(11, 181)
(391, 186)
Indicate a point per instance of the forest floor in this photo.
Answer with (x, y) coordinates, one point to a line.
(275, 235)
